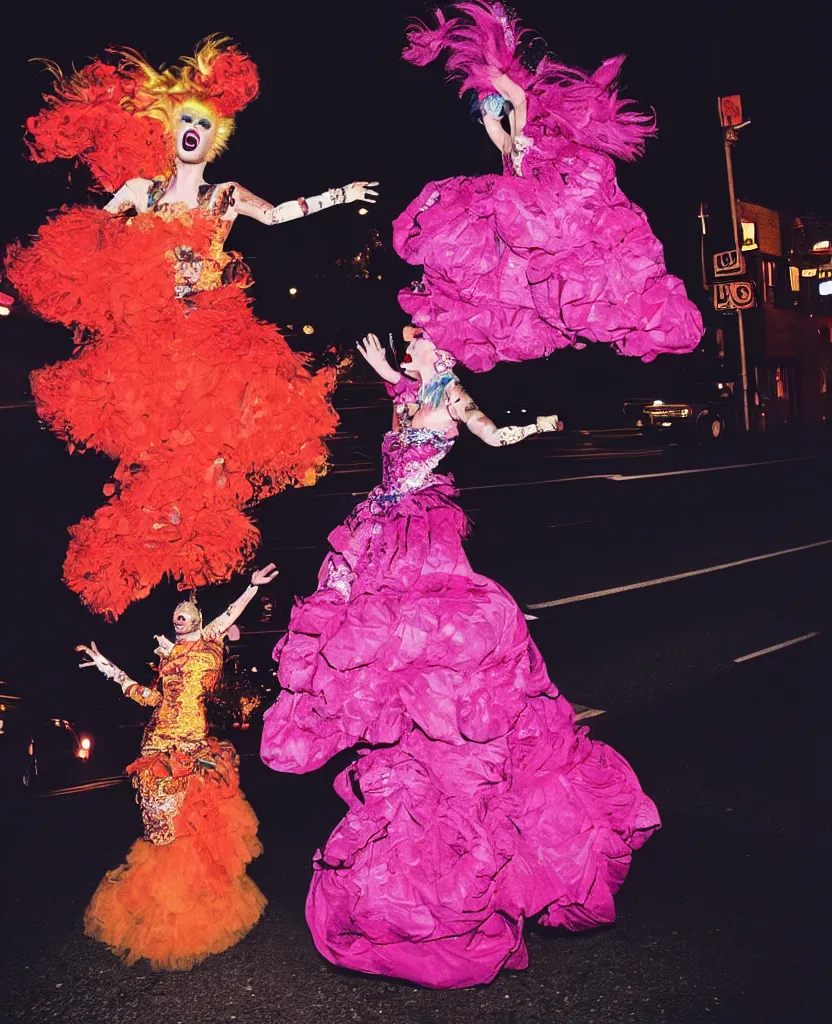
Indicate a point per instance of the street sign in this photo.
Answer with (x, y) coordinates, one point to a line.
(729, 264)
(733, 295)
(730, 111)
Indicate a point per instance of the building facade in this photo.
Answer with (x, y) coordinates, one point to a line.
(788, 330)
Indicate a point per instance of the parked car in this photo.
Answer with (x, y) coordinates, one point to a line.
(702, 414)
(38, 752)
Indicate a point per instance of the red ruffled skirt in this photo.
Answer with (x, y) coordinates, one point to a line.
(205, 407)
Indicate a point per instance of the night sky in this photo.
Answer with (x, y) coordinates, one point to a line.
(337, 104)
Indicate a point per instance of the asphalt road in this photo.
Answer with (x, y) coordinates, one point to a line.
(722, 916)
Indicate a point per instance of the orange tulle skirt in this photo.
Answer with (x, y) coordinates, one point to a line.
(177, 904)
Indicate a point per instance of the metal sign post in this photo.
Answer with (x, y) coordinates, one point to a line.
(730, 117)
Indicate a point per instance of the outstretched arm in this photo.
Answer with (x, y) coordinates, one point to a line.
(250, 205)
(516, 96)
(493, 109)
(465, 410)
(129, 687)
(222, 623)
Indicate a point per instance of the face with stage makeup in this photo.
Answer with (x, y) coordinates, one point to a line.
(422, 359)
(187, 618)
(195, 128)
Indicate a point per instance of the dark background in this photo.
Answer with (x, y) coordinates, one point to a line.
(337, 104)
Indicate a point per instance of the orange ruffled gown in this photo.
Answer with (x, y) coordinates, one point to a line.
(205, 407)
(183, 892)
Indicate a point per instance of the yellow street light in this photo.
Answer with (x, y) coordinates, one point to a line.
(362, 210)
(308, 329)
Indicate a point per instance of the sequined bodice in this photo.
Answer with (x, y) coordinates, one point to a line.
(409, 457)
(191, 670)
(196, 272)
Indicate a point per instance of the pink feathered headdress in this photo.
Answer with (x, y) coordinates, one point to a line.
(486, 40)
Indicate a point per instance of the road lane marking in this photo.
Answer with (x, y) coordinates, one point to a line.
(775, 647)
(620, 477)
(87, 787)
(677, 576)
(616, 478)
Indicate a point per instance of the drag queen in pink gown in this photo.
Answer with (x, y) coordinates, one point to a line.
(551, 252)
(475, 801)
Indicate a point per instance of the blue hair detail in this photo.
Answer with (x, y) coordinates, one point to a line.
(494, 104)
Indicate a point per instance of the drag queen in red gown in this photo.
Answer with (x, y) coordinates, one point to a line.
(205, 407)
(476, 801)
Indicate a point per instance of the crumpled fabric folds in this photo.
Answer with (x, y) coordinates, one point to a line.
(475, 801)
(205, 407)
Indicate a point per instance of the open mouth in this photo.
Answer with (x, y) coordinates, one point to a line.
(190, 141)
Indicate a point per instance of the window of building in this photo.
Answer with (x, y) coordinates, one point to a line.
(794, 279)
(781, 387)
(767, 272)
(762, 381)
(749, 234)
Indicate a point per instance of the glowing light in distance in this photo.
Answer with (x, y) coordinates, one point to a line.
(362, 210)
(308, 329)
(293, 291)
(658, 402)
(809, 272)
(86, 743)
(4, 311)
(821, 246)
(825, 288)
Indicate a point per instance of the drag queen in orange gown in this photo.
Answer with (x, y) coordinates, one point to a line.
(183, 892)
(205, 407)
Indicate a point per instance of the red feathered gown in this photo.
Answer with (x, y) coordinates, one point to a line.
(183, 892)
(204, 406)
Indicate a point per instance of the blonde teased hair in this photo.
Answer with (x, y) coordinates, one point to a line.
(161, 94)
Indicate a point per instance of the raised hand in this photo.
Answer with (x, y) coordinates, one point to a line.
(104, 665)
(360, 192)
(97, 659)
(260, 577)
(371, 349)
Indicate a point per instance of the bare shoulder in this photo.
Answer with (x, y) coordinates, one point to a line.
(460, 402)
(139, 186)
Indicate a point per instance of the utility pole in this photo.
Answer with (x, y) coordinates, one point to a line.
(730, 134)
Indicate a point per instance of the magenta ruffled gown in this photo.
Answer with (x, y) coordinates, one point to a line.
(476, 802)
(550, 253)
